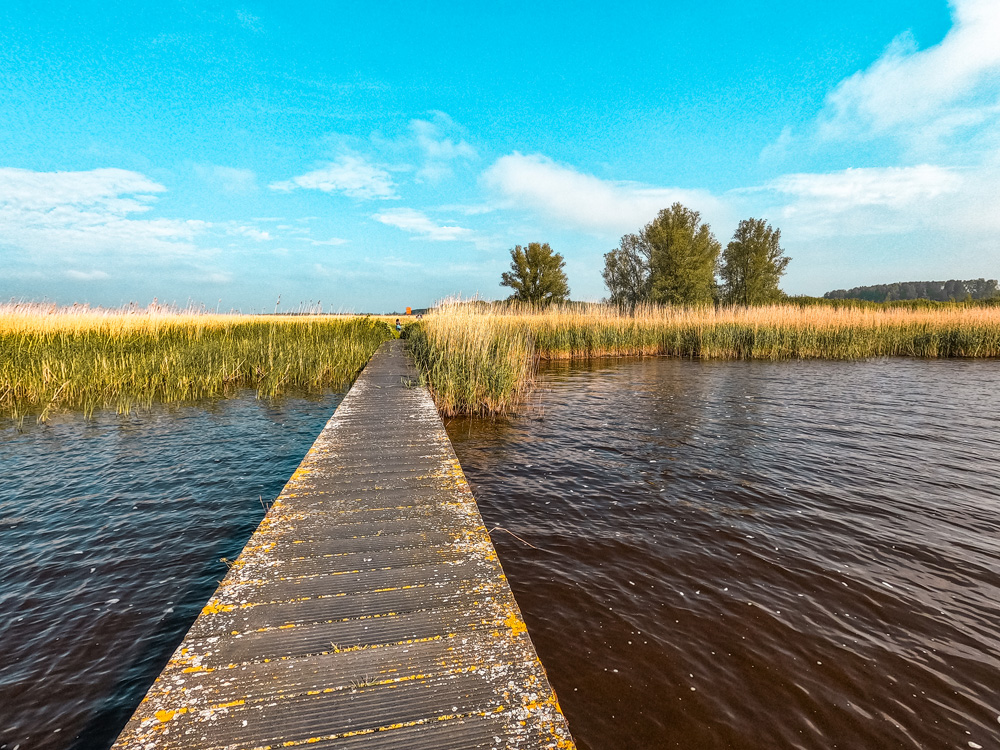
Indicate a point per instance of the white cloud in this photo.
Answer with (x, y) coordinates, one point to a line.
(894, 187)
(933, 116)
(950, 86)
(332, 242)
(582, 201)
(51, 213)
(439, 148)
(248, 21)
(288, 233)
(339, 272)
(471, 209)
(936, 201)
(393, 262)
(416, 222)
(228, 179)
(104, 188)
(87, 275)
(349, 174)
(241, 230)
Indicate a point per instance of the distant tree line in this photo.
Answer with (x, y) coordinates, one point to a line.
(939, 291)
(675, 259)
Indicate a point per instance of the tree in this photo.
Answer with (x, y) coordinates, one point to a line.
(753, 264)
(939, 291)
(536, 275)
(626, 272)
(683, 254)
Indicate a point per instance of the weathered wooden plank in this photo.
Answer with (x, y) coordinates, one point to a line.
(369, 609)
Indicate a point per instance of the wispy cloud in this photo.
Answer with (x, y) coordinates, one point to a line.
(332, 242)
(228, 179)
(860, 201)
(115, 190)
(467, 209)
(350, 174)
(391, 261)
(88, 275)
(577, 200)
(939, 110)
(418, 223)
(215, 277)
(91, 211)
(249, 21)
(940, 202)
(894, 187)
(441, 143)
(243, 230)
(950, 86)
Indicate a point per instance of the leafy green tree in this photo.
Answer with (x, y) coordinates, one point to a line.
(626, 272)
(536, 275)
(753, 264)
(683, 254)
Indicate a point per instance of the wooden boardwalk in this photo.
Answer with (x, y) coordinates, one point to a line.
(368, 610)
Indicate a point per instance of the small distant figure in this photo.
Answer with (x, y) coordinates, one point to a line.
(399, 326)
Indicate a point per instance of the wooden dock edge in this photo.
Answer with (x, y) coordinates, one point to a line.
(368, 610)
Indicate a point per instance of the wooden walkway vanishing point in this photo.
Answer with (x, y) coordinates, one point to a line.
(368, 610)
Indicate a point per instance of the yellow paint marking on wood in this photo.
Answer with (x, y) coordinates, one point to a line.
(516, 624)
(165, 715)
(490, 644)
(230, 704)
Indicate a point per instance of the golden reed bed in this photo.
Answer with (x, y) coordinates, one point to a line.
(480, 358)
(86, 359)
(477, 358)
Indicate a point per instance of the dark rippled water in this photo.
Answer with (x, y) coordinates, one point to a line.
(757, 555)
(730, 555)
(111, 532)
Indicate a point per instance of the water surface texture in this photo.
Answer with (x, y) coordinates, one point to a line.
(725, 554)
(756, 555)
(111, 534)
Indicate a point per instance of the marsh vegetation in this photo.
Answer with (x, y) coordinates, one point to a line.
(92, 360)
(477, 358)
(480, 358)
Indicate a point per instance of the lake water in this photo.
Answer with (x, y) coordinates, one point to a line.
(723, 554)
(756, 555)
(111, 532)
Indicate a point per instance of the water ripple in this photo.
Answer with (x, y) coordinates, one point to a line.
(111, 532)
(756, 555)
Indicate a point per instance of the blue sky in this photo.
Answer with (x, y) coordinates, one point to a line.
(376, 155)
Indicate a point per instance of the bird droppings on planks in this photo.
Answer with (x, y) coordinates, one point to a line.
(368, 610)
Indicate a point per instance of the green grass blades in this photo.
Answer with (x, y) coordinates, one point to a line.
(480, 358)
(52, 361)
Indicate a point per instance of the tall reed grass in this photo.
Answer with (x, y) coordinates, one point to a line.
(473, 362)
(479, 358)
(106, 359)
